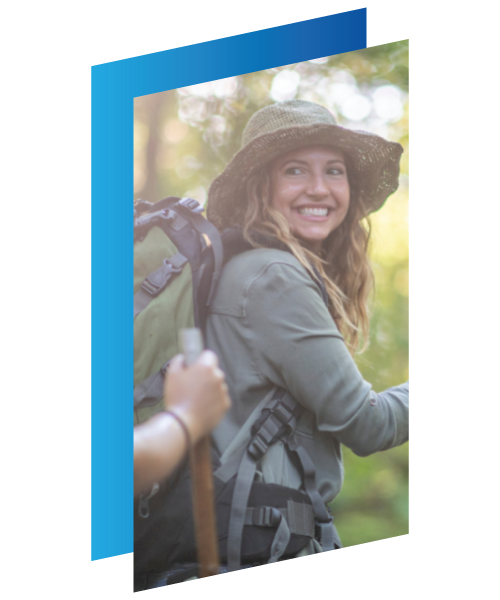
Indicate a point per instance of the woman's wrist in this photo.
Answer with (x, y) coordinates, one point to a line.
(182, 424)
(185, 420)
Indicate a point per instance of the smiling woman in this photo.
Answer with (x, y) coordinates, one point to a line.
(290, 311)
(256, 194)
(311, 190)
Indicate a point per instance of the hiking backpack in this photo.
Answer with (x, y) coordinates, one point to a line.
(178, 258)
(177, 262)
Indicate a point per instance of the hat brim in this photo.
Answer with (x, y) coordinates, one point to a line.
(373, 160)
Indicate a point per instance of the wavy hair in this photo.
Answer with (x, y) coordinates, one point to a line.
(343, 263)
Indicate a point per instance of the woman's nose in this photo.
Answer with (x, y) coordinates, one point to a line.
(317, 187)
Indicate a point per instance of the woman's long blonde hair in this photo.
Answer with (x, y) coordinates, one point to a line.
(343, 263)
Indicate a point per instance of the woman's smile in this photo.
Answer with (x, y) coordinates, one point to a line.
(311, 190)
(314, 213)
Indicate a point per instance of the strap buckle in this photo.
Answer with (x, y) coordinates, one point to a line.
(266, 516)
(157, 281)
(258, 447)
(323, 531)
(276, 423)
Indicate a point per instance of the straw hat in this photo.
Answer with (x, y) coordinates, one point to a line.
(285, 126)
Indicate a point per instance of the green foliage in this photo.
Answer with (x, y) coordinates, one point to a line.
(184, 138)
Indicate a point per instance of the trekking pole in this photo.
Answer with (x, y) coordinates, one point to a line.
(201, 477)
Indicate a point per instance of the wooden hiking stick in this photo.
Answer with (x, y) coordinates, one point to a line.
(201, 478)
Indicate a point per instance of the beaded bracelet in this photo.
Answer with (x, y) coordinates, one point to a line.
(183, 427)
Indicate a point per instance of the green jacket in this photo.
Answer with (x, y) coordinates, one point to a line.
(270, 327)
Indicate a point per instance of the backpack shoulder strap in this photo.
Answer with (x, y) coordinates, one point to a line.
(190, 209)
(277, 421)
(324, 521)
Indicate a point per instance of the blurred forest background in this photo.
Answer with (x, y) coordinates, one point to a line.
(183, 139)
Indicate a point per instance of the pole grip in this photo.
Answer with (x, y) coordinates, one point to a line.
(201, 477)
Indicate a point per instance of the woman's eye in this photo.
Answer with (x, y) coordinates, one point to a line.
(336, 171)
(293, 171)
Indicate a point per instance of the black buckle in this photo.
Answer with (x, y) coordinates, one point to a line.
(191, 204)
(156, 281)
(258, 447)
(143, 223)
(266, 516)
(260, 443)
(320, 526)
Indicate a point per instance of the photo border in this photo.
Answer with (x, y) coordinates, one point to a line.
(114, 87)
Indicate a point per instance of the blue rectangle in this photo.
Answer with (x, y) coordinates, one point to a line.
(114, 86)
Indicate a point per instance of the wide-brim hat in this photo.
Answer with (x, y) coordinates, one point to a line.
(286, 126)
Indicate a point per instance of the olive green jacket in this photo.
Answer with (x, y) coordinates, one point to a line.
(270, 327)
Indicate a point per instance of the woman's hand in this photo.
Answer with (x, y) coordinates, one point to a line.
(197, 394)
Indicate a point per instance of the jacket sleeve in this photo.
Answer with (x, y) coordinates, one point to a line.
(296, 344)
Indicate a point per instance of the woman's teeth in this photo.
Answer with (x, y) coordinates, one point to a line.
(313, 212)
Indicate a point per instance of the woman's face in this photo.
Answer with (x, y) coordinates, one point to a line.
(310, 188)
